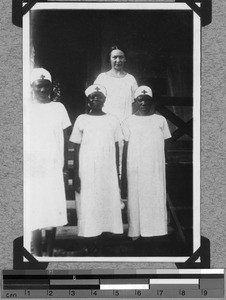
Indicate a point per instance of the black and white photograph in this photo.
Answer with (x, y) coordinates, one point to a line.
(111, 131)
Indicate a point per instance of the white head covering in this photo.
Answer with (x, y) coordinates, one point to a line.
(95, 88)
(40, 73)
(143, 90)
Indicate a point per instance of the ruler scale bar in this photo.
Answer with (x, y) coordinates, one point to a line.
(134, 284)
(109, 294)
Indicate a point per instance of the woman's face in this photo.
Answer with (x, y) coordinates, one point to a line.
(144, 103)
(96, 101)
(117, 59)
(42, 89)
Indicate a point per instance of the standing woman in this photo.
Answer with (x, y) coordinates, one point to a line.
(120, 86)
(95, 136)
(48, 123)
(145, 133)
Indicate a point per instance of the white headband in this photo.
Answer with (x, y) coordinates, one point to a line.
(143, 90)
(96, 88)
(40, 73)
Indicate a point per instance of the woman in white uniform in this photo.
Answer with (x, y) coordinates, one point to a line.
(96, 136)
(144, 165)
(120, 87)
(47, 127)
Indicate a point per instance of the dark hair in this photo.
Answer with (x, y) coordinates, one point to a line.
(115, 47)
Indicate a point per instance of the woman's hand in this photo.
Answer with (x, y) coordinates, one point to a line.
(77, 184)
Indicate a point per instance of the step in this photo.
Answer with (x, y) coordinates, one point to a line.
(68, 243)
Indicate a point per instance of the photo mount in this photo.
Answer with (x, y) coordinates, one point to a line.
(204, 10)
(19, 253)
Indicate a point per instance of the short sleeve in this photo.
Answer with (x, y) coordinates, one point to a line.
(166, 131)
(76, 135)
(125, 130)
(98, 79)
(134, 87)
(65, 118)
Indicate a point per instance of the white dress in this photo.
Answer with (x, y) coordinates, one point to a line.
(98, 204)
(120, 94)
(45, 154)
(147, 215)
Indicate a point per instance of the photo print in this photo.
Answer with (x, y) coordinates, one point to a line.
(80, 95)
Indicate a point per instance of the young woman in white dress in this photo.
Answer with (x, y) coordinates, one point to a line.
(47, 160)
(144, 166)
(96, 136)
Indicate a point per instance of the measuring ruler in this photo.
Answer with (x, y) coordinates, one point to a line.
(143, 283)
